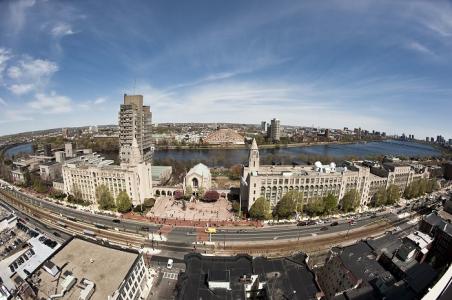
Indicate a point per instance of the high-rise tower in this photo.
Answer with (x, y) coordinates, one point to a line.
(253, 160)
(135, 121)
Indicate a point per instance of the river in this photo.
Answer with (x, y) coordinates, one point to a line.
(228, 157)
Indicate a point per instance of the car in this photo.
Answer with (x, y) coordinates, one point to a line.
(352, 222)
(373, 216)
(56, 234)
(324, 228)
(311, 222)
(169, 264)
(116, 221)
(335, 223)
(303, 223)
(318, 222)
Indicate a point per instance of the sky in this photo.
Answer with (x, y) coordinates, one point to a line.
(379, 65)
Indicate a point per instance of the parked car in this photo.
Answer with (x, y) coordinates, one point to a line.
(303, 223)
(324, 228)
(335, 223)
(169, 264)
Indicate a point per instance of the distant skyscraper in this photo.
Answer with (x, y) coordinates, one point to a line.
(275, 132)
(135, 121)
(264, 126)
(47, 150)
(69, 149)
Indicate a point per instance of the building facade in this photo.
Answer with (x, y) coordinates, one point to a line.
(135, 122)
(273, 181)
(86, 173)
(275, 130)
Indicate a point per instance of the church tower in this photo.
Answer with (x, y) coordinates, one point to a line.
(253, 160)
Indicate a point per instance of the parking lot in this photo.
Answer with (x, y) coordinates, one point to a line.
(166, 279)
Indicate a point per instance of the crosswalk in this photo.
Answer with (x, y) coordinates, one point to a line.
(172, 276)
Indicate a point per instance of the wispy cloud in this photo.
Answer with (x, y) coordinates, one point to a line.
(51, 103)
(3, 102)
(17, 13)
(61, 29)
(416, 46)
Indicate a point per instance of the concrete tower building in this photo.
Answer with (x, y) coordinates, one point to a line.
(135, 121)
(275, 132)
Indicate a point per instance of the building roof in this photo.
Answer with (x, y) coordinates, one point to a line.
(199, 169)
(224, 136)
(387, 243)
(106, 267)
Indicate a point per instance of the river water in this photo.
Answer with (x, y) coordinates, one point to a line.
(228, 157)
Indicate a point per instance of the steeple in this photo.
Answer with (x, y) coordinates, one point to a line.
(253, 160)
(135, 154)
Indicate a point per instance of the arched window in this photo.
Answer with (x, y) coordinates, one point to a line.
(195, 183)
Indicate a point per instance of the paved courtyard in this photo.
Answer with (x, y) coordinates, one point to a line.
(166, 207)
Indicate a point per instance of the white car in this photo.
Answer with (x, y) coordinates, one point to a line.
(169, 264)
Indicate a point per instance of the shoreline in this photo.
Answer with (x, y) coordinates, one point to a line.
(264, 146)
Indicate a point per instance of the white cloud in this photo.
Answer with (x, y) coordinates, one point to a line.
(100, 100)
(3, 102)
(17, 13)
(21, 89)
(51, 103)
(14, 72)
(61, 29)
(416, 46)
(28, 74)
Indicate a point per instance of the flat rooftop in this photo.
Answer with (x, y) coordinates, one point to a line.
(106, 267)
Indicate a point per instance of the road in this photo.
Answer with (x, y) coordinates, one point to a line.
(182, 238)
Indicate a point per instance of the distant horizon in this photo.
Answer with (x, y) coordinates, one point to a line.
(382, 65)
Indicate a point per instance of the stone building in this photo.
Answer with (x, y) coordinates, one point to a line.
(85, 173)
(224, 136)
(198, 178)
(273, 181)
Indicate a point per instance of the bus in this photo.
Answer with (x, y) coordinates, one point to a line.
(89, 233)
(211, 230)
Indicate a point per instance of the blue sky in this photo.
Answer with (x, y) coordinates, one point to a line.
(383, 65)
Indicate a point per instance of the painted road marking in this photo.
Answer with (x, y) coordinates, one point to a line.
(172, 276)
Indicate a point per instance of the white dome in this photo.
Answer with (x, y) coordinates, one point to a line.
(318, 164)
(332, 165)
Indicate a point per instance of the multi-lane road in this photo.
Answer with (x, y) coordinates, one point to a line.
(184, 237)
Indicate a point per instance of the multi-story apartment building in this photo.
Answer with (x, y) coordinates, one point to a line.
(85, 173)
(273, 181)
(135, 122)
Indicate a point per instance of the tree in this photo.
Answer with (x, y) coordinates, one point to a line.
(188, 192)
(235, 206)
(392, 194)
(39, 186)
(350, 201)
(201, 192)
(380, 197)
(104, 198)
(211, 196)
(234, 172)
(148, 203)
(315, 207)
(330, 203)
(289, 204)
(178, 195)
(260, 209)
(123, 202)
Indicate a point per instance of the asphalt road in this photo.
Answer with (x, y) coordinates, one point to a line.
(187, 235)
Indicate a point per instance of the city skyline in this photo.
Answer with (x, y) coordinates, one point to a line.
(376, 65)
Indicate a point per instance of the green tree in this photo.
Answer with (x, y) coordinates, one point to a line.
(39, 186)
(123, 202)
(350, 201)
(289, 204)
(392, 194)
(330, 203)
(260, 209)
(380, 197)
(315, 207)
(188, 192)
(235, 206)
(104, 198)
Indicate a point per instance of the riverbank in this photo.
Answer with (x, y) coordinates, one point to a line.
(263, 146)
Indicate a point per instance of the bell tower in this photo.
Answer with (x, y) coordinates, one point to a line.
(253, 160)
